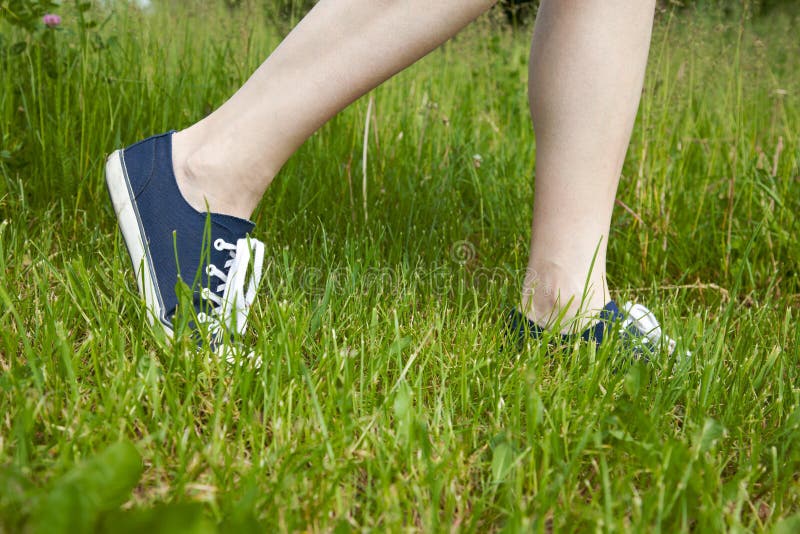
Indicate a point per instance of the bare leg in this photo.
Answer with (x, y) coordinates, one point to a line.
(588, 59)
(338, 52)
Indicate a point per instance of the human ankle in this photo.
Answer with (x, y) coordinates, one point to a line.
(199, 180)
(555, 302)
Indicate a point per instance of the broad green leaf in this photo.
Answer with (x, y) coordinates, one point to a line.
(178, 518)
(96, 485)
(788, 525)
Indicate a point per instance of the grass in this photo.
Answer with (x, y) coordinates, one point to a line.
(385, 402)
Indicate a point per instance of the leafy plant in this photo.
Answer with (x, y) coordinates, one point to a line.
(89, 496)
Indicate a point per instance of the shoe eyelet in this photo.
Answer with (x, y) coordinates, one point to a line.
(219, 244)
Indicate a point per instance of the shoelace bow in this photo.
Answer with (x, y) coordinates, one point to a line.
(230, 310)
(643, 320)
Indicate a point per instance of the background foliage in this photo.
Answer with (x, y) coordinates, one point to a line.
(386, 401)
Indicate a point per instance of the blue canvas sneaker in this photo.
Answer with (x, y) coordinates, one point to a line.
(637, 327)
(168, 240)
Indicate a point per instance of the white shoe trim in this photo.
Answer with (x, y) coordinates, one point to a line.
(122, 197)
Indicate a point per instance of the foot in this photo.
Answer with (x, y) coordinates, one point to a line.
(170, 241)
(638, 329)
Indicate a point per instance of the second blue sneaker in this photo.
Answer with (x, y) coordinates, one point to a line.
(168, 240)
(637, 327)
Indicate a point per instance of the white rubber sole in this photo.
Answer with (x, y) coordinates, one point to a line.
(119, 189)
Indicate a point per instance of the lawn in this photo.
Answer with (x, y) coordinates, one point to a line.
(387, 398)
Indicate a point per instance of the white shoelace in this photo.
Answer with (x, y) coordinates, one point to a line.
(646, 323)
(231, 309)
